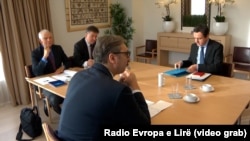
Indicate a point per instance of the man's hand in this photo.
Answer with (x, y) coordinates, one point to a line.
(178, 65)
(46, 52)
(59, 70)
(193, 68)
(90, 62)
(128, 78)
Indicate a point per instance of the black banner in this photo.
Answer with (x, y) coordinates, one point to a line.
(190, 132)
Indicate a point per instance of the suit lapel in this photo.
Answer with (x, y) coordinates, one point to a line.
(208, 51)
(85, 49)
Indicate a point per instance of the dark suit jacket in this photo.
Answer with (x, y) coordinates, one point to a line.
(39, 67)
(95, 99)
(213, 57)
(81, 53)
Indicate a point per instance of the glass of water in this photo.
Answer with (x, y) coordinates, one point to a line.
(188, 84)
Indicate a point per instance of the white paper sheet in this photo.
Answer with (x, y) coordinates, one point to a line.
(65, 76)
(155, 108)
(44, 80)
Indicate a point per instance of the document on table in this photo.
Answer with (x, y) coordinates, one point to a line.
(155, 108)
(44, 80)
(65, 76)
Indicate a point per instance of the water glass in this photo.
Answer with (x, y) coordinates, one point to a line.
(175, 88)
(188, 84)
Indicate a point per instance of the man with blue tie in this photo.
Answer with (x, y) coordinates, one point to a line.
(48, 58)
(206, 55)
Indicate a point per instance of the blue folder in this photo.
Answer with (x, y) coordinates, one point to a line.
(177, 72)
(57, 83)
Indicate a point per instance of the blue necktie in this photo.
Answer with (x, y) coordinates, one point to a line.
(202, 55)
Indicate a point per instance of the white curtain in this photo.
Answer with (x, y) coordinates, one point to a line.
(4, 96)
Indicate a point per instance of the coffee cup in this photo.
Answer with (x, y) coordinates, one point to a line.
(206, 87)
(191, 97)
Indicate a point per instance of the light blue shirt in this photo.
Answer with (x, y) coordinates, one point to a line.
(205, 49)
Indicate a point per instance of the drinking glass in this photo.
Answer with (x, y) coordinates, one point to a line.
(188, 84)
(175, 88)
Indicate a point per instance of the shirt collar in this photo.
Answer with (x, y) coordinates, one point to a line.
(205, 45)
(87, 43)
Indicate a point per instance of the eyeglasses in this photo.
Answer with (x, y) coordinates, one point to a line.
(125, 52)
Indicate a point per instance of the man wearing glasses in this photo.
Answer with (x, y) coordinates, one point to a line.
(95, 100)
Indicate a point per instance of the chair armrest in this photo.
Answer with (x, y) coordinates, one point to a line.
(154, 52)
(228, 58)
(138, 47)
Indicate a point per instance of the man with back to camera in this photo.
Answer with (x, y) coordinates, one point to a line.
(83, 48)
(94, 99)
(206, 55)
(48, 58)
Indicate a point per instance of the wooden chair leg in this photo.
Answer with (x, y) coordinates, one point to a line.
(49, 109)
(32, 92)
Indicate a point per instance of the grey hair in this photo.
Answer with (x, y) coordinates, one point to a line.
(40, 34)
(106, 45)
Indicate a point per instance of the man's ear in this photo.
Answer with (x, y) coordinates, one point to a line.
(111, 58)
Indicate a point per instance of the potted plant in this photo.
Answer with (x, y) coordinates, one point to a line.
(166, 4)
(220, 5)
(168, 24)
(120, 23)
(220, 26)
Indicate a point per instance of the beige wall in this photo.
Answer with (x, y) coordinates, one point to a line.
(148, 22)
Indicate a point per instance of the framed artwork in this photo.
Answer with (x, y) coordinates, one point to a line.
(82, 13)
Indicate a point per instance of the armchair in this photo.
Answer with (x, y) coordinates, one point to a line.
(241, 60)
(149, 53)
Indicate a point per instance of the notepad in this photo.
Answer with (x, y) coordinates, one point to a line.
(199, 73)
(177, 72)
(57, 83)
(198, 77)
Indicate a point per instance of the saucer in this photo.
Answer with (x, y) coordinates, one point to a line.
(207, 91)
(186, 100)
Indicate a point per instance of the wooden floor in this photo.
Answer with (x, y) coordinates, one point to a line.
(9, 121)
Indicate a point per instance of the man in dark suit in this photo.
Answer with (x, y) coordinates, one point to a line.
(48, 58)
(206, 54)
(83, 49)
(95, 100)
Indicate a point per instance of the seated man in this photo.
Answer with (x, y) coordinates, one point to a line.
(94, 99)
(48, 58)
(83, 49)
(206, 55)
